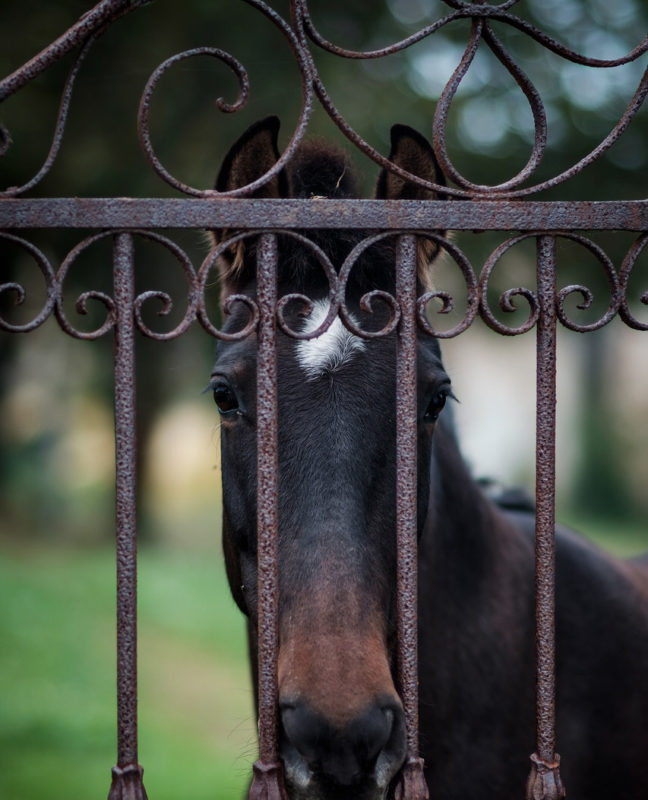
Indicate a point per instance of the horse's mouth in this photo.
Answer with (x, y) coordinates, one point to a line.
(304, 784)
(322, 763)
(314, 792)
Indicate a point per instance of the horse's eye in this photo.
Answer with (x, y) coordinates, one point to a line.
(225, 399)
(435, 406)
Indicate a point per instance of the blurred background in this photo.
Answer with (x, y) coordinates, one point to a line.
(57, 727)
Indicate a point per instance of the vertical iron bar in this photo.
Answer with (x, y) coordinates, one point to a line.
(412, 782)
(545, 782)
(127, 775)
(267, 783)
(545, 497)
(267, 524)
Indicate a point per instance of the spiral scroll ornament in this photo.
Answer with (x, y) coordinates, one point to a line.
(84, 34)
(337, 291)
(108, 302)
(508, 298)
(626, 271)
(244, 88)
(19, 292)
(245, 301)
(59, 128)
(586, 294)
(304, 41)
(483, 15)
(368, 300)
(447, 301)
(145, 103)
(306, 303)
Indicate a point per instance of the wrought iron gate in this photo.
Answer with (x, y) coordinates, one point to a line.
(502, 207)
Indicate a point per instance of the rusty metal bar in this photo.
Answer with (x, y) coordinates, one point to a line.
(267, 783)
(544, 781)
(213, 211)
(127, 775)
(411, 778)
(87, 24)
(226, 212)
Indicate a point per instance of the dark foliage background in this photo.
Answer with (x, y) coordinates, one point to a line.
(490, 134)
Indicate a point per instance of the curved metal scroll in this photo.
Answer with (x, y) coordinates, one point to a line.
(407, 318)
(304, 40)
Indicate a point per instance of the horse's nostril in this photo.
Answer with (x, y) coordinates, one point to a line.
(302, 729)
(391, 757)
(370, 733)
(369, 748)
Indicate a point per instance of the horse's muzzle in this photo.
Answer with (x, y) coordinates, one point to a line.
(329, 762)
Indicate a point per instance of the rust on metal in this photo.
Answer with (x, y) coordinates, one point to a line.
(411, 781)
(91, 22)
(501, 206)
(268, 779)
(406, 485)
(544, 781)
(545, 531)
(267, 782)
(244, 214)
(127, 783)
(127, 771)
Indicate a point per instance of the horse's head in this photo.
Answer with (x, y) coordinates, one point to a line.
(341, 721)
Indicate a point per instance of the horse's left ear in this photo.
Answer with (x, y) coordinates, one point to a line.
(412, 152)
(253, 155)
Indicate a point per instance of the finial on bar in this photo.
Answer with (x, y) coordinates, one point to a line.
(411, 783)
(268, 782)
(127, 783)
(544, 781)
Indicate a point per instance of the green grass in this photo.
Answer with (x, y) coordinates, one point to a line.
(622, 539)
(57, 671)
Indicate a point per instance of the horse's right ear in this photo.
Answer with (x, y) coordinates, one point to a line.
(249, 158)
(412, 152)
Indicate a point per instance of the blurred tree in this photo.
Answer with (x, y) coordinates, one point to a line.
(490, 130)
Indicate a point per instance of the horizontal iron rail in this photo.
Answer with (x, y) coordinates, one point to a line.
(220, 212)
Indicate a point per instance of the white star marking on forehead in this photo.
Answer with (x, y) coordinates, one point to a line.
(329, 351)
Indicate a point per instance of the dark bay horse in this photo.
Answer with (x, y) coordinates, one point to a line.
(341, 719)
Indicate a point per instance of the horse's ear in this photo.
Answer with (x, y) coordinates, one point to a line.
(249, 158)
(412, 152)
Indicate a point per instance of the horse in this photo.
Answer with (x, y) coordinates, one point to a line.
(341, 721)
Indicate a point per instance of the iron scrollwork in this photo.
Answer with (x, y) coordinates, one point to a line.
(507, 299)
(303, 37)
(546, 305)
(626, 271)
(19, 290)
(304, 41)
(83, 34)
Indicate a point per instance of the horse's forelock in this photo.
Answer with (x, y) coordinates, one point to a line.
(320, 170)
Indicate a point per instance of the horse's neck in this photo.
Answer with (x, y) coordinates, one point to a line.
(475, 595)
(466, 537)
(456, 505)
